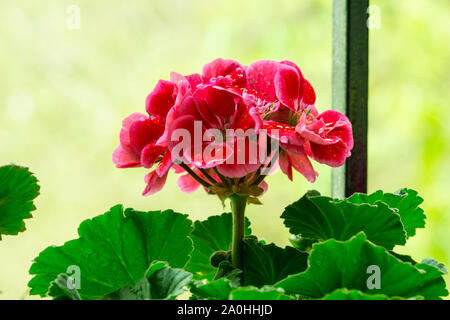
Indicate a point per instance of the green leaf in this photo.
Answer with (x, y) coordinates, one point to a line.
(18, 188)
(436, 264)
(253, 293)
(230, 272)
(114, 250)
(209, 236)
(223, 289)
(213, 290)
(302, 244)
(267, 264)
(322, 218)
(405, 202)
(335, 264)
(403, 258)
(62, 288)
(161, 282)
(345, 294)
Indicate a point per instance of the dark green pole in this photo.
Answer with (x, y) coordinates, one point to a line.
(350, 86)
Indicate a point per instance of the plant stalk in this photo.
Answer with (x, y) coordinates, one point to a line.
(238, 203)
(208, 176)
(222, 178)
(195, 176)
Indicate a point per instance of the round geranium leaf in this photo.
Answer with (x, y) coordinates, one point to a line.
(114, 250)
(360, 265)
(18, 188)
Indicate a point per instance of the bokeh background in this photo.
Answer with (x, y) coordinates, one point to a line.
(64, 92)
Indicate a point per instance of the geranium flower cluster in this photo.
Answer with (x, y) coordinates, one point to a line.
(229, 127)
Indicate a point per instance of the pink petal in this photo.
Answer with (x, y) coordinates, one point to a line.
(306, 90)
(260, 77)
(286, 134)
(210, 118)
(292, 64)
(194, 80)
(242, 161)
(126, 124)
(283, 115)
(163, 141)
(154, 183)
(315, 132)
(301, 163)
(123, 159)
(223, 68)
(254, 113)
(308, 94)
(237, 170)
(264, 186)
(333, 155)
(165, 164)
(124, 156)
(145, 131)
(176, 78)
(220, 102)
(187, 184)
(187, 107)
(150, 154)
(271, 163)
(341, 125)
(161, 99)
(285, 164)
(184, 89)
(189, 147)
(213, 154)
(177, 169)
(185, 125)
(287, 86)
(330, 137)
(312, 110)
(243, 119)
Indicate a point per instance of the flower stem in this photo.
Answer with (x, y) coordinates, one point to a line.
(222, 178)
(208, 176)
(194, 175)
(238, 203)
(258, 180)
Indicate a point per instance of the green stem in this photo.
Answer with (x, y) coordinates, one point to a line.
(222, 178)
(208, 176)
(238, 203)
(194, 175)
(258, 180)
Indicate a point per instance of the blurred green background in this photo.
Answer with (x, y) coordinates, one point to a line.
(63, 94)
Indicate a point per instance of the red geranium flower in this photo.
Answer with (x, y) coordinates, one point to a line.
(302, 132)
(224, 112)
